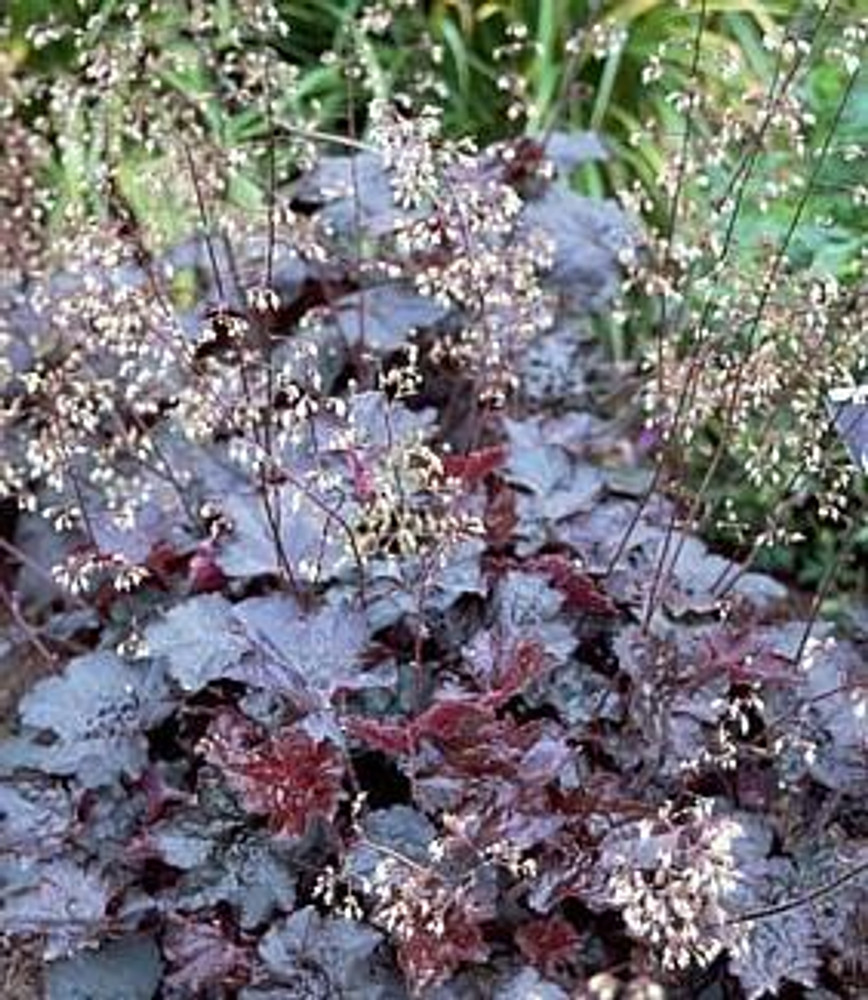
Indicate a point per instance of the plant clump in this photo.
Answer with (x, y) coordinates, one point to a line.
(384, 652)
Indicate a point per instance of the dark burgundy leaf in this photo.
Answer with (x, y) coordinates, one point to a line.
(500, 514)
(453, 722)
(744, 658)
(549, 944)
(504, 669)
(289, 778)
(431, 952)
(526, 662)
(580, 591)
(204, 573)
(473, 468)
(388, 737)
(164, 561)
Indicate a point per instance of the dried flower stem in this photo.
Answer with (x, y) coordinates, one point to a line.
(739, 179)
(841, 554)
(786, 905)
(661, 575)
(11, 603)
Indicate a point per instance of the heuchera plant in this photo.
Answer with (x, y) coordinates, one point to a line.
(381, 677)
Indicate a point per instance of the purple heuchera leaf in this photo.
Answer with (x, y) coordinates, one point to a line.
(311, 541)
(532, 462)
(59, 899)
(266, 642)
(528, 609)
(391, 315)
(528, 983)
(568, 150)
(351, 187)
(555, 485)
(336, 952)
(130, 968)
(779, 948)
(155, 522)
(552, 368)
(691, 581)
(393, 590)
(98, 709)
(382, 423)
(828, 708)
(33, 815)
(200, 641)
(851, 423)
(588, 234)
(250, 876)
(322, 648)
(400, 828)
(203, 954)
(98, 693)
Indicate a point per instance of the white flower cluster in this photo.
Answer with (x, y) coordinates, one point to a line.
(408, 143)
(670, 881)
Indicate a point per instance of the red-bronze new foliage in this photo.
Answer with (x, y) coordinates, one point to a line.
(288, 777)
